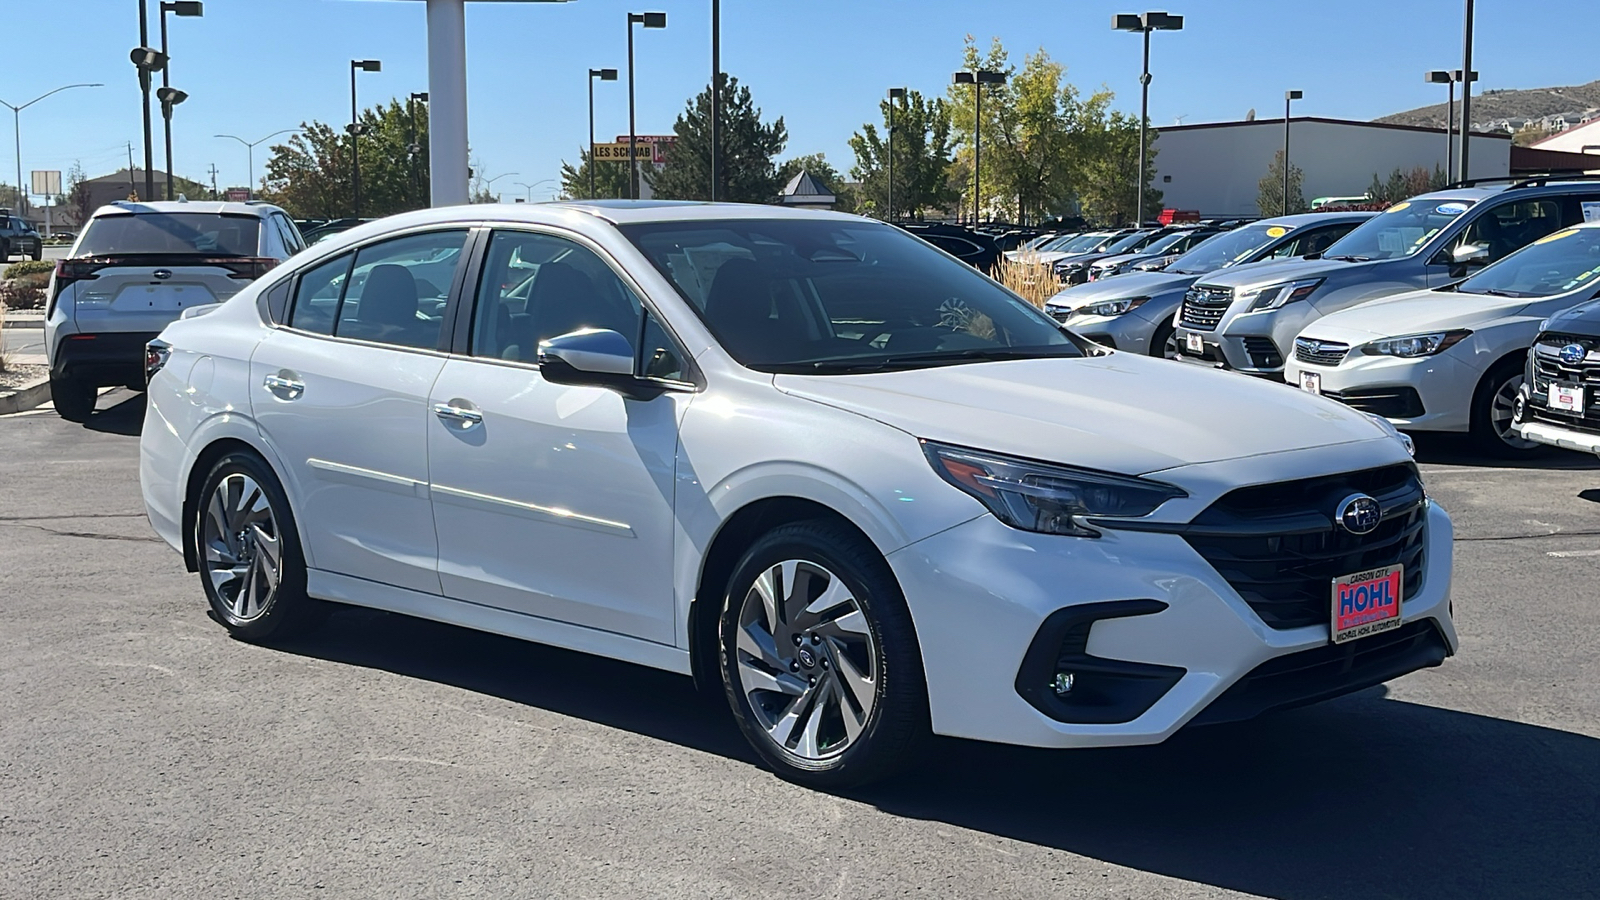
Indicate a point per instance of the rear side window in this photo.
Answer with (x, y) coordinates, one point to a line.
(206, 233)
(316, 296)
(398, 289)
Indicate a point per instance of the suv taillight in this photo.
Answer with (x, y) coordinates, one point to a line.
(243, 268)
(68, 271)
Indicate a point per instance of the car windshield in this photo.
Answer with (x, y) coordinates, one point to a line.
(1132, 242)
(1163, 243)
(1227, 248)
(1565, 261)
(212, 234)
(832, 297)
(1401, 230)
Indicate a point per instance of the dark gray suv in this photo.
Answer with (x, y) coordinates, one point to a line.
(18, 238)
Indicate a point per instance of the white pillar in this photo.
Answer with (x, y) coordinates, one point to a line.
(447, 101)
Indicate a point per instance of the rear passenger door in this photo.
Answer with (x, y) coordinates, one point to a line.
(340, 393)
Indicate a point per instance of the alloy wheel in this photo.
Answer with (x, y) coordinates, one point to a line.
(243, 547)
(807, 659)
(1501, 408)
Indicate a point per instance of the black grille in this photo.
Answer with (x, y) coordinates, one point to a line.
(1263, 353)
(1203, 307)
(1320, 353)
(1391, 403)
(1548, 367)
(1279, 547)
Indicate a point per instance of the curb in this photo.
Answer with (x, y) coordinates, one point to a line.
(26, 397)
(25, 322)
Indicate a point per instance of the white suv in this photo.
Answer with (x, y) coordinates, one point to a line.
(136, 267)
(853, 483)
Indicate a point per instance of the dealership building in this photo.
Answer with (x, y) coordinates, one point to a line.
(1217, 168)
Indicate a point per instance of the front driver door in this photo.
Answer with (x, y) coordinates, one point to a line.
(553, 500)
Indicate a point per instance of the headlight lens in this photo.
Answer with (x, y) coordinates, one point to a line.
(1113, 307)
(1046, 498)
(1404, 439)
(1413, 345)
(1272, 296)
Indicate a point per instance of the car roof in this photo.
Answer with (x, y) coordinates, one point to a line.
(1300, 220)
(213, 207)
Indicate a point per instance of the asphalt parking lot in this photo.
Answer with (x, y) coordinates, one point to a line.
(143, 753)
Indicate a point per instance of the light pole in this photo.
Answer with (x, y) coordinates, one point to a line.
(146, 59)
(530, 187)
(1462, 172)
(648, 20)
(1146, 23)
(603, 75)
(16, 125)
(1288, 97)
(488, 183)
(250, 156)
(415, 148)
(1441, 76)
(898, 93)
(362, 65)
(716, 95)
(977, 78)
(185, 8)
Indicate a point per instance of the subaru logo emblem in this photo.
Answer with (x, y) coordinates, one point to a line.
(1572, 354)
(1359, 514)
(162, 273)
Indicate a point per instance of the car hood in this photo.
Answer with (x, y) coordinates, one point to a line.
(1414, 312)
(1121, 412)
(1133, 284)
(1268, 271)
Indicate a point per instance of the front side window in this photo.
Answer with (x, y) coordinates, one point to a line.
(212, 234)
(1510, 226)
(538, 286)
(1556, 264)
(1399, 231)
(827, 297)
(398, 289)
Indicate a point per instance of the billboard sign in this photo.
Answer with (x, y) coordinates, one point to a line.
(46, 183)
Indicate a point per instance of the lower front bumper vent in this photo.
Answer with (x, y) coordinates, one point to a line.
(1059, 678)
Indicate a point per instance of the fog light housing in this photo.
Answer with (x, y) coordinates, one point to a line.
(1059, 677)
(1062, 684)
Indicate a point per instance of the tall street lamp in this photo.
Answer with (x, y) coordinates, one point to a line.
(146, 59)
(187, 9)
(1146, 23)
(488, 183)
(1288, 97)
(530, 187)
(898, 93)
(1462, 172)
(362, 65)
(648, 20)
(603, 75)
(1449, 79)
(716, 96)
(16, 125)
(415, 148)
(978, 78)
(250, 156)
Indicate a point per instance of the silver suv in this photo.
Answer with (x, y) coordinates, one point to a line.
(1247, 319)
(135, 268)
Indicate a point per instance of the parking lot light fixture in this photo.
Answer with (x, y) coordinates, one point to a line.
(16, 125)
(977, 78)
(1462, 171)
(603, 75)
(250, 156)
(357, 65)
(1144, 24)
(1288, 98)
(648, 20)
(898, 93)
(187, 9)
(1444, 77)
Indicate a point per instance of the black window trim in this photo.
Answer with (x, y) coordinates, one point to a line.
(460, 345)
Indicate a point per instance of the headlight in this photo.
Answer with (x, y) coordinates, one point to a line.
(1042, 497)
(1413, 345)
(1404, 439)
(1112, 307)
(1272, 296)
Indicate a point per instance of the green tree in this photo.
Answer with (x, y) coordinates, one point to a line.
(1269, 190)
(1404, 184)
(1108, 165)
(610, 180)
(309, 174)
(749, 148)
(921, 158)
(822, 170)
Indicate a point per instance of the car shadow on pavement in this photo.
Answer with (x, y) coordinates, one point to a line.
(1358, 797)
(124, 416)
(1458, 450)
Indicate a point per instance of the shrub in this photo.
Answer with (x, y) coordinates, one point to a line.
(30, 267)
(19, 295)
(1033, 280)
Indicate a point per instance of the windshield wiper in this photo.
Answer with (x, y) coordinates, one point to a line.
(1496, 292)
(1350, 258)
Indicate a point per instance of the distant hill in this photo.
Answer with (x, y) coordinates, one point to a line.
(1490, 106)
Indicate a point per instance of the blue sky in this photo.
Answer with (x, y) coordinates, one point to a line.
(252, 67)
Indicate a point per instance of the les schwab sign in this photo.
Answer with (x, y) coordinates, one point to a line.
(652, 148)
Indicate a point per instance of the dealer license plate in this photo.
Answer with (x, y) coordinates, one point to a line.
(1194, 343)
(1567, 398)
(1366, 603)
(1311, 382)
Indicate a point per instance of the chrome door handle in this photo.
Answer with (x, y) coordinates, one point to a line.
(284, 388)
(462, 416)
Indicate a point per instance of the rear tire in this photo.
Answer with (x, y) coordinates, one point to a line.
(73, 398)
(251, 566)
(1492, 404)
(819, 658)
(5, 252)
(38, 253)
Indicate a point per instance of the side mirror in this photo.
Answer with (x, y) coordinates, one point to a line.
(1467, 254)
(593, 357)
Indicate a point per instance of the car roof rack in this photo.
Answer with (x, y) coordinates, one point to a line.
(1525, 180)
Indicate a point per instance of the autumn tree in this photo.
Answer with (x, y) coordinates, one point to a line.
(746, 164)
(309, 174)
(921, 158)
(1108, 169)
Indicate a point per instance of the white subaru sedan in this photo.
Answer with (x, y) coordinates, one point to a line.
(804, 457)
(1452, 358)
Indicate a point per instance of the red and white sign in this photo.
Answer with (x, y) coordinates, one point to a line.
(658, 145)
(237, 195)
(1366, 603)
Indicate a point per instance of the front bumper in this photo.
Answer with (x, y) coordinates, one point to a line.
(1427, 393)
(981, 592)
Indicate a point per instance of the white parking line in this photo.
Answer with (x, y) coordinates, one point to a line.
(1563, 554)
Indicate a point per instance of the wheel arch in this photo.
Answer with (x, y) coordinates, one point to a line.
(1515, 356)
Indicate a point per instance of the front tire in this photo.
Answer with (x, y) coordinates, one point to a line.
(1492, 407)
(38, 253)
(73, 398)
(1164, 342)
(819, 657)
(251, 564)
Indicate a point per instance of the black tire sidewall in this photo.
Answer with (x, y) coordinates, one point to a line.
(289, 611)
(1482, 426)
(899, 710)
(73, 398)
(1158, 339)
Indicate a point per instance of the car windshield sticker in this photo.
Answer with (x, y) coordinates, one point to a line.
(1557, 236)
(1277, 231)
(1450, 209)
(1591, 211)
(1397, 207)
